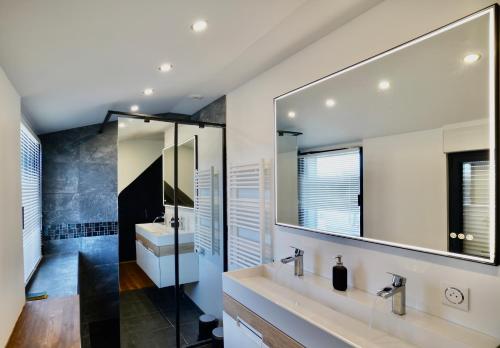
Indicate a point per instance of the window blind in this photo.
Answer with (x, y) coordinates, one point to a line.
(329, 189)
(476, 208)
(31, 201)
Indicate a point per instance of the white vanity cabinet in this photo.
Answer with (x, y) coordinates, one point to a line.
(245, 329)
(239, 334)
(290, 311)
(148, 261)
(155, 255)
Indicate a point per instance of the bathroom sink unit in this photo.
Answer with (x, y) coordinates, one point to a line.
(263, 302)
(160, 234)
(155, 254)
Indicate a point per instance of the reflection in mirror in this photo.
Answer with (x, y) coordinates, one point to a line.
(186, 168)
(398, 149)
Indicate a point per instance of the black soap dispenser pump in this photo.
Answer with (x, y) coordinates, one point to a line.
(339, 275)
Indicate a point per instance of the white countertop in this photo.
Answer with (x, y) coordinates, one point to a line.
(354, 317)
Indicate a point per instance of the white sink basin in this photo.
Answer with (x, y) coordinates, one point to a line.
(309, 310)
(161, 235)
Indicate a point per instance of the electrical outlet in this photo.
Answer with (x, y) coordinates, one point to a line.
(455, 296)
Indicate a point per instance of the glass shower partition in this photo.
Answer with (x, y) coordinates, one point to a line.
(171, 257)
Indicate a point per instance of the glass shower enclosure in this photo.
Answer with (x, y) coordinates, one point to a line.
(172, 233)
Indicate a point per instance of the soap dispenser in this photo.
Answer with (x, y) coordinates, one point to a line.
(339, 275)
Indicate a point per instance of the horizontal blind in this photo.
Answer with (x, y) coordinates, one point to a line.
(31, 168)
(329, 189)
(476, 208)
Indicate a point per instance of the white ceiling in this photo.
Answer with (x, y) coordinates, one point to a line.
(135, 129)
(71, 60)
(431, 87)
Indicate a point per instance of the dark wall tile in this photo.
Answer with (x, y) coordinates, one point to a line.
(60, 177)
(79, 175)
(213, 112)
(99, 285)
(99, 250)
(61, 146)
(86, 177)
(98, 206)
(61, 246)
(100, 279)
(99, 148)
(60, 207)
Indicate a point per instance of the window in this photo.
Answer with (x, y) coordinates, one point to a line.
(31, 200)
(469, 203)
(330, 191)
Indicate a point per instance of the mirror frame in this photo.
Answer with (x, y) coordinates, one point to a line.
(493, 12)
(195, 138)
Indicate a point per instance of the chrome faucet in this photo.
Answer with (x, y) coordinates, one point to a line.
(397, 290)
(160, 217)
(298, 259)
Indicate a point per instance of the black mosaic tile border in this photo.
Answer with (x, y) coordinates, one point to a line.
(88, 229)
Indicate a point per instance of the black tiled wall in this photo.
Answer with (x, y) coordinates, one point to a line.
(86, 229)
(213, 112)
(80, 214)
(79, 176)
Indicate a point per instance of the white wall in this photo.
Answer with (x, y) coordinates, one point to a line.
(134, 156)
(404, 190)
(287, 163)
(207, 292)
(11, 249)
(405, 182)
(185, 164)
(250, 127)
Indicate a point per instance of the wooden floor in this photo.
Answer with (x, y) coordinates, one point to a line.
(132, 277)
(48, 323)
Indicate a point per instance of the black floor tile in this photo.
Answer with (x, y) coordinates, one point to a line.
(131, 309)
(148, 318)
(164, 338)
(99, 307)
(189, 332)
(186, 316)
(146, 323)
(105, 334)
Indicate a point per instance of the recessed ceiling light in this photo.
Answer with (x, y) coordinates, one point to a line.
(330, 103)
(165, 67)
(134, 108)
(148, 91)
(384, 84)
(199, 26)
(291, 114)
(122, 125)
(472, 58)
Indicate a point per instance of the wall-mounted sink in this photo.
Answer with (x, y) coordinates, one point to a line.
(310, 311)
(160, 234)
(155, 254)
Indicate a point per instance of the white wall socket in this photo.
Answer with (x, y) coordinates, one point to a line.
(455, 296)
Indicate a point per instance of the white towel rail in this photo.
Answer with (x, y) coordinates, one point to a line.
(204, 210)
(248, 213)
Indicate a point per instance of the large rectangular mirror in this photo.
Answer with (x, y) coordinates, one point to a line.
(400, 148)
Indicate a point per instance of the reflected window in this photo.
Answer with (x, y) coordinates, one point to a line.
(469, 206)
(330, 191)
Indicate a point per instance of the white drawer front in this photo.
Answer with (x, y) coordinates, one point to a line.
(148, 261)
